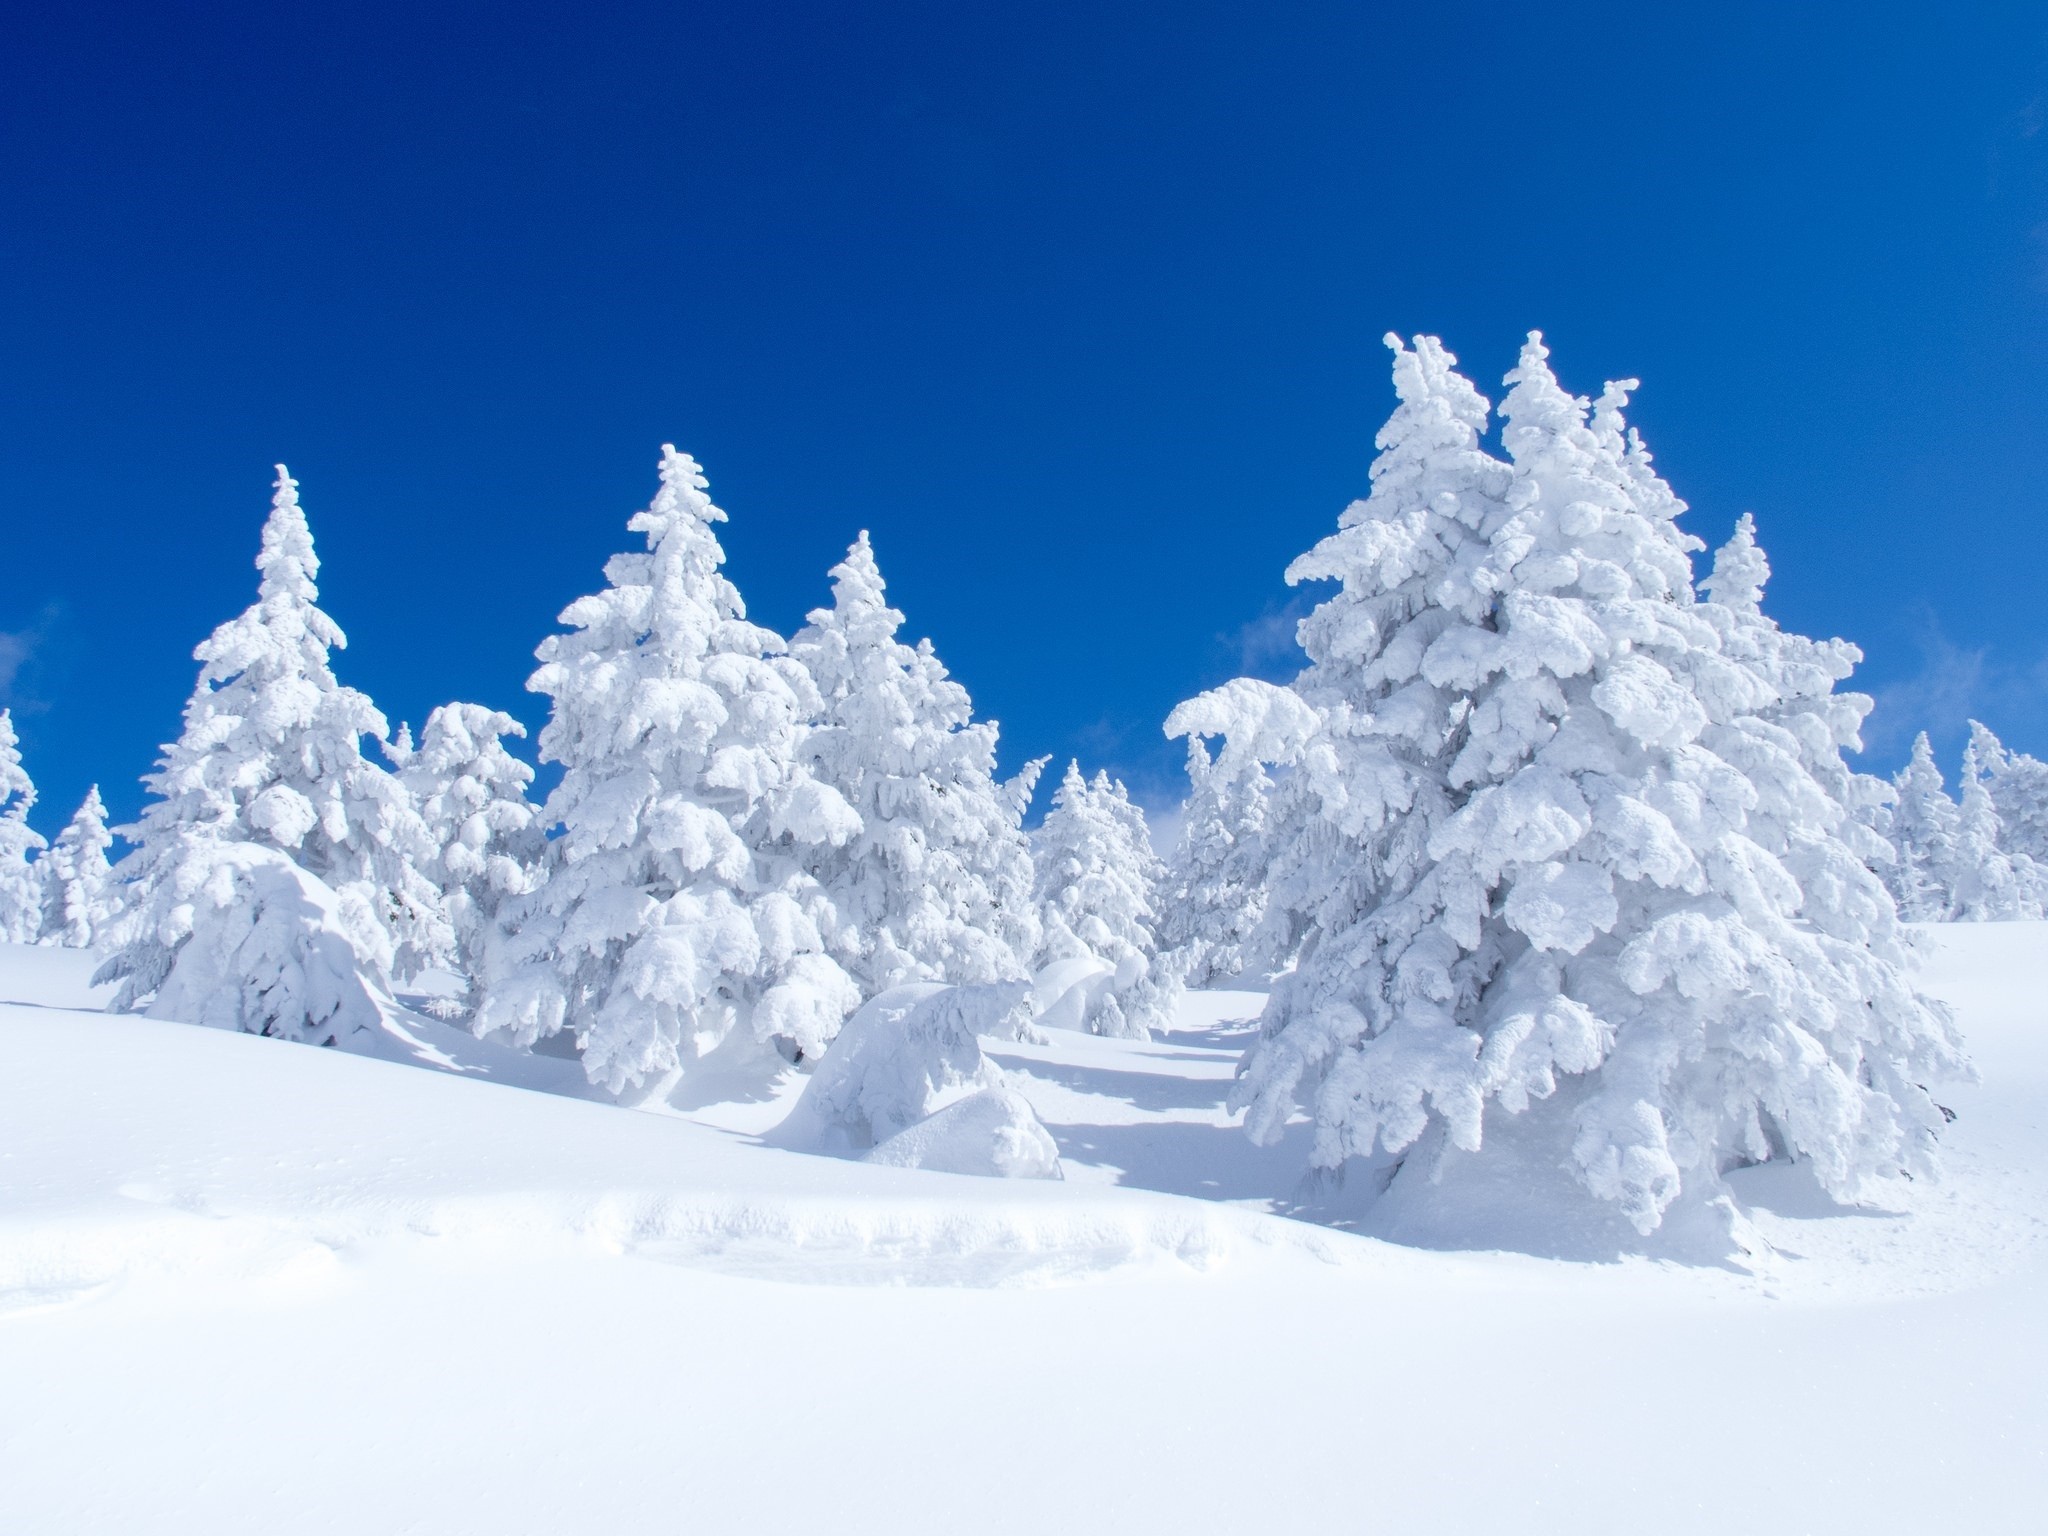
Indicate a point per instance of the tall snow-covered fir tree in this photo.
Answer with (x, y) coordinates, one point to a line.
(272, 755)
(1988, 884)
(676, 909)
(1925, 827)
(1216, 892)
(77, 880)
(21, 888)
(936, 886)
(1097, 885)
(485, 835)
(1572, 943)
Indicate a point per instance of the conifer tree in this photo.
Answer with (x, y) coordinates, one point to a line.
(936, 886)
(1568, 933)
(1098, 886)
(20, 879)
(1987, 884)
(1218, 878)
(676, 908)
(1925, 826)
(77, 880)
(485, 835)
(2018, 786)
(271, 756)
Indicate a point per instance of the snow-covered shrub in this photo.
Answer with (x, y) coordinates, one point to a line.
(936, 885)
(256, 944)
(676, 906)
(1217, 885)
(271, 755)
(21, 903)
(484, 834)
(77, 880)
(994, 1133)
(1554, 824)
(901, 1057)
(1097, 885)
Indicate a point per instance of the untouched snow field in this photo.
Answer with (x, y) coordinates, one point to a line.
(250, 1286)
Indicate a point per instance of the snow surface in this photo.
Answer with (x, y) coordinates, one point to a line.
(250, 1285)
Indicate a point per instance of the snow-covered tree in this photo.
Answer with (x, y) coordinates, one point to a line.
(1925, 826)
(1988, 884)
(676, 908)
(1217, 880)
(272, 755)
(77, 880)
(1097, 887)
(936, 886)
(2018, 785)
(1570, 943)
(21, 906)
(485, 834)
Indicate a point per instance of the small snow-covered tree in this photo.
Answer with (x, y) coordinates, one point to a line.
(21, 908)
(1216, 894)
(77, 880)
(271, 754)
(676, 908)
(1568, 914)
(1098, 884)
(936, 886)
(2018, 786)
(1925, 826)
(485, 834)
(1988, 884)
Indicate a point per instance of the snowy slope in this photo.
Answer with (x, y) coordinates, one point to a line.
(249, 1286)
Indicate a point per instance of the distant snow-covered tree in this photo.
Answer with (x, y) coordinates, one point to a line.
(936, 886)
(1217, 880)
(1570, 943)
(21, 907)
(676, 908)
(271, 755)
(1098, 884)
(77, 880)
(1925, 826)
(2018, 786)
(1988, 884)
(485, 835)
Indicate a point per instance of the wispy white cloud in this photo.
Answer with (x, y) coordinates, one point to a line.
(20, 651)
(1954, 685)
(1266, 647)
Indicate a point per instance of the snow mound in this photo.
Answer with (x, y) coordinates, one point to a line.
(1064, 994)
(994, 1133)
(902, 1056)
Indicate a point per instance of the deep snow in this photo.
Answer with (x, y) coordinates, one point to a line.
(246, 1285)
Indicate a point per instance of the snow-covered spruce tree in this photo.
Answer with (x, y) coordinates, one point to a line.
(936, 886)
(1925, 825)
(1097, 886)
(1988, 884)
(675, 910)
(2018, 786)
(485, 834)
(271, 755)
(77, 880)
(1592, 940)
(21, 905)
(1216, 890)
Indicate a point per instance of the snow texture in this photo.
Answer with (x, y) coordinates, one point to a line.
(936, 884)
(991, 1134)
(676, 908)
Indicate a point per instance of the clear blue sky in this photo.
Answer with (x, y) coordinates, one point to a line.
(1076, 306)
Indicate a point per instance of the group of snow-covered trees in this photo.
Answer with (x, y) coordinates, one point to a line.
(750, 837)
(1550, 855)
(1983, 860)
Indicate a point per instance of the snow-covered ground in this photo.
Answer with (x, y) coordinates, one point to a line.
(250, 1286)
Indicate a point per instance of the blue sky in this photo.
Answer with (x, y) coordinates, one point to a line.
(1075, 306)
